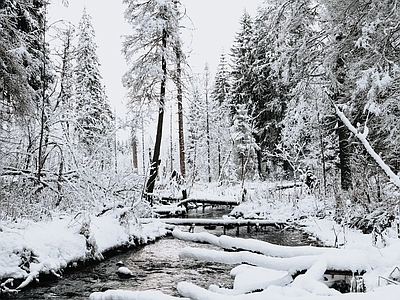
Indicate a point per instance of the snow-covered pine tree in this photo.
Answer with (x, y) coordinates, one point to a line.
(222, 83)
(196, 144)
(245, 146)
(242, 60)
(287, 43)
(221, 118)
(93, 113)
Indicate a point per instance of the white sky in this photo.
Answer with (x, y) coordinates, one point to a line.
(215, 25)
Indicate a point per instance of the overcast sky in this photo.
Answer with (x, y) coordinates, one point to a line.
(215, 24)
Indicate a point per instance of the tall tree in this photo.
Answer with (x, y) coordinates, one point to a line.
(180, 59)
(94, 115)
(148, 50)
(242, 59)
(221, 119)
(244, 144)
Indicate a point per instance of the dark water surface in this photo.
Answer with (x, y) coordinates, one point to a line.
(156, 266)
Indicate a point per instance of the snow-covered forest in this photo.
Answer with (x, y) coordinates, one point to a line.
(307, 96)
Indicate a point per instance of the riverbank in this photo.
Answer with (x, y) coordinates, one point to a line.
(29, 249)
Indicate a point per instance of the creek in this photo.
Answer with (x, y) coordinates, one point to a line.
(155, 266)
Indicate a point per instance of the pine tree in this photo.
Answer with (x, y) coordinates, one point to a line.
(221, 117)
(244, 144)
(360, 66)
(242, 59)
(93, 113)
(222, 84)
(196, 129)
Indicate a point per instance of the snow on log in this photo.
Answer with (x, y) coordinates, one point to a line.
(202, 237)
(194, 292)
(284, 264)
(271, 249)
(363, 138)
(250, 279)
(216, 201)
(343, 260)
(131, 295)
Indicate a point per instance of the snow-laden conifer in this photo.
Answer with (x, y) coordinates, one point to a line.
(93, 113)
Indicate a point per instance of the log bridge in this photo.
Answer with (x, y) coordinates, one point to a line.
(204, 202)
(226, 223)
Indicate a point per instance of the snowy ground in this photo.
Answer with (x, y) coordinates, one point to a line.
(29, 248)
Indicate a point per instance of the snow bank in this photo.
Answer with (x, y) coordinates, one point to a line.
(131, 295)
(286, 293)
(28, 249)
(273, 265)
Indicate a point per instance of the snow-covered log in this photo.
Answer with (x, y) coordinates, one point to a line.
(250, 279)
(284, 264)
(202, 237)
(342, 260)
(131, 295)
(271, 249)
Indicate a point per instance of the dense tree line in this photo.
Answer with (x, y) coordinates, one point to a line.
(292, 66)
(57, 137)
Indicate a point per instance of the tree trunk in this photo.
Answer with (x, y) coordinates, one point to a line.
(180, 111)
(44, 128)
(208, 124)
(157, 146)
(344, 156)
(134, 151)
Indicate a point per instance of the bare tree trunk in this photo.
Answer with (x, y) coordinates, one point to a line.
(344, 156)
(44, 129)
(171, 144)
(208, 125)
(323, 160)
(180, 111)
(134, 151)
(157, 146)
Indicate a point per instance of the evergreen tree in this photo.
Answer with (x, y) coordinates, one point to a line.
(66, 98)
(222, 84)
(361, 63)
(242, 59)
(244, 144)
(196, 128)
(93, 113)
(221, 118)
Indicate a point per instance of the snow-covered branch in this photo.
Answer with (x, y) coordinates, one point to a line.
(363, 139)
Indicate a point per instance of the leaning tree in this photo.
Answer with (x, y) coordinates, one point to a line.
(148, 51)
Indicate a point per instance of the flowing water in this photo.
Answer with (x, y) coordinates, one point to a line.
(155, 266)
